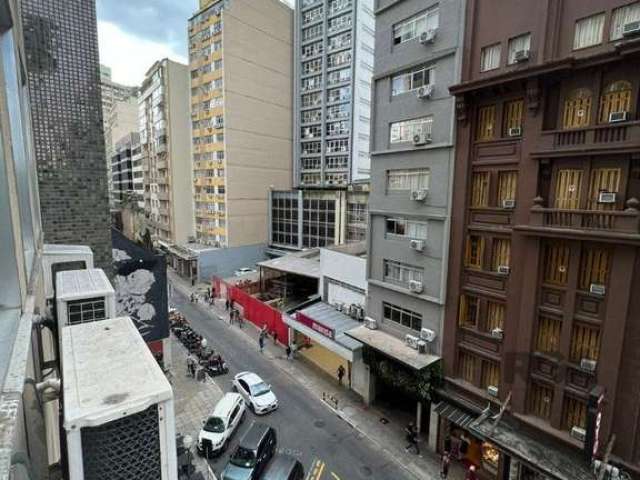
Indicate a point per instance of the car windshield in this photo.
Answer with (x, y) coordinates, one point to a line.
(259, 389)
(243, 458)
(214, 424)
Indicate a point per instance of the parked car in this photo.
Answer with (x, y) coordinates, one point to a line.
(244, 271)
(251, 456)
(219, 427)
(283, 467)
(258, 395)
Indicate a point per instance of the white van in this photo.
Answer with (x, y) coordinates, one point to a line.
(219, 427)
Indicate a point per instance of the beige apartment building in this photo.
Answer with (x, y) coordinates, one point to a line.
(163, 121)
(241, 97)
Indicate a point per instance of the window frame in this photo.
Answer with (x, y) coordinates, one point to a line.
(497, 51)
(511, 46)
(603, 17)
(411, 27)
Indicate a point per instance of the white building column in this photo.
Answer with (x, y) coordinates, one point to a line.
(434, 425)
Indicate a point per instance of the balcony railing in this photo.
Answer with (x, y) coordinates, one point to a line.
(626, 221)
(618, 136)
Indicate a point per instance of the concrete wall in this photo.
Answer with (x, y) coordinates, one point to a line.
(346, 268)
(179, 158)
(257, 46)
(225, 261)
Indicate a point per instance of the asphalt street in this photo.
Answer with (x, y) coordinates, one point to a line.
(307, 429)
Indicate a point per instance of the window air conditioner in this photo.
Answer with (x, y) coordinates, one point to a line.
(509, 203)
(579, 434)
(417, 245)
(58, 258)
(419, 195)
(631, 28)
(421, 139)
(426, 91)
(504, 269)
(427, 335)
(118, 413)
(588, 365)
(597, 289)
(415, 286)
(493, 390)
(521, 56)
(422, 346)
(607, 197)
(411, 341)
(515, 132)
(429, 36)
(615, 117)
(497, 333)
(371, 323)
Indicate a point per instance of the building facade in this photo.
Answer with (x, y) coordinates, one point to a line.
(240, 64)
(541, 313)
(120, 120)
(163, 122)
(127, 172)
(333, 58)
(63, 78)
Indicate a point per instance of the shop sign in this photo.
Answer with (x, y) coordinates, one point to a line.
(316, 326)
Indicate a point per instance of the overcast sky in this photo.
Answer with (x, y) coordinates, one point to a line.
(133, 34)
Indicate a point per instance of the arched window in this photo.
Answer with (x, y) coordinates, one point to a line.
(577, 109)
(615, 98)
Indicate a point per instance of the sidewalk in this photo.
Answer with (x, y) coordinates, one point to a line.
(382, 427)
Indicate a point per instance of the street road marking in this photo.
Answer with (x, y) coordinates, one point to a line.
(313, 470)
(320, 471)
(335, 476)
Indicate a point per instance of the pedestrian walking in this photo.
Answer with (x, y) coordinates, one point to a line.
(261, 343)
(288, 350)
(412, 438)
(191, 366)
(203, 344)
(445, 462)
(471, 473)
(226, 305)
(340, 374)
(275, 337)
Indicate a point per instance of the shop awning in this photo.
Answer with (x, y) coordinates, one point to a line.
(454, 414)
(326, 326)
(392, 347)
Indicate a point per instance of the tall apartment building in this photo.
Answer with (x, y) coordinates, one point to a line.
(119, 109)
(542, 306)
(418, 55)
(112, 92)
(163, 124)
(240, 62)
(127, 172)
(63, 77)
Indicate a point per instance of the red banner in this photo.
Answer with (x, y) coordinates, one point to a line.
(315, 325)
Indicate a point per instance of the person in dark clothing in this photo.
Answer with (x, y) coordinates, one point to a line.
(412, 438)
(471, 473)
(288, 350)
(275, 337)
(261, 342)
(226, 305)
(340, 374)
(445, 462)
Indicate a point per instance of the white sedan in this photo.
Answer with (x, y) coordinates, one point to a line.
(255, 392)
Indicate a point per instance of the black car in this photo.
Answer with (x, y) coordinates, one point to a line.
(284, 467)
(252, 454)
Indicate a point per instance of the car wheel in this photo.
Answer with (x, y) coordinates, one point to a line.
(252, 408)
(234, 388)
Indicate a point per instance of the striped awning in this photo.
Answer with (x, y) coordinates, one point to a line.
(454, 414)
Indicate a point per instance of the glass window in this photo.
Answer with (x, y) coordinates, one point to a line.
(401, 274)
(414, 26)
(408, 180)
(490, 57)
(518, 44)
(621, 17)
(616, 98)
(412, 80)
(402, 316)
(400, 132)
(589, 31)
(401, 227)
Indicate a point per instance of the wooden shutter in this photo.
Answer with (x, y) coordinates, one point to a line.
(489, 374)
(540, 400)
(495, 316)
(616, 98)
(575, 413)
(486, 123)
(585, 342)
(594, 266)
(501, 254)
(507, 185)
(513, 115)
(556, 263)
(474, 251)
(468, 315)
(467, 366)
(480, 189)
(548, 336)
(577, 109)
(603, 180)
(568, 189)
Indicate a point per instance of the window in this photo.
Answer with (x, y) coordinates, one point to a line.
(585, 342)
(338, 162)
(540, 400)
(414, 26)
(574, 413)
(412, 80)
(501, 253)
(311, 16)
(594, 267)
(402, 316)
(338, 23)
(495, 316)
(401, 227)
(486, 123)
(337, 5)
(401, 274)
(312, 50)
(469, 311)
(408, 180)
(311, 132)
(589, 31)
(507, 185)
(342, 40)
(556, 263)
(401, 132)
(622, 16)
(490, 57)
(480, 189)
(312, 66)
(311, 32)
(311, 99)
(467, 366)
(311, 116)
(339, 94)
(311, 83)
(577, 109)
(568, 189)
(548, 335)
(489, 373)
(336, 112)
(341, 145)
(311, 148)
(518, 44)
(513, 115)
(338, 128)
(312, 163)
(474, 252)
(615, 98)
(339, 59)
(338, 76)
(86, 310)
(603, 180)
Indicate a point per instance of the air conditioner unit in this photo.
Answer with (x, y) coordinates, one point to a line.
(631, 28)
(597, 289)
(504, 269)
(493, 390)
(371, 323)
(426, 91)
(359, 312)
(417, 245)
(118, 413)
(429, 36)
(521, 56)
(419, 195)
(339, 306)
(415, 286)
(422, 346)
(508, 203)
(427, 335)
(615, 117)
(607, 197)
(579, 433)
(58, 258)
(412, 341)
(497, 333)
(588, 365)
(421, 138)
(515, 132)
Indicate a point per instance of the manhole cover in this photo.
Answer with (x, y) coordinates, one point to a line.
(365, 471)
(319, 423)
